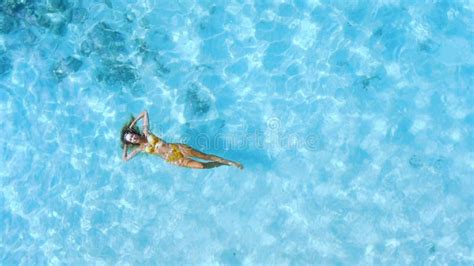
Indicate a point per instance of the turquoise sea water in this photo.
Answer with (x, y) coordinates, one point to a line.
(354, 120)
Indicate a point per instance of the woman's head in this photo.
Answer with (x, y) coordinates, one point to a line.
(130, 135)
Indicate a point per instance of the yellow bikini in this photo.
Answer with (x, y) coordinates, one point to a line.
(174, 155)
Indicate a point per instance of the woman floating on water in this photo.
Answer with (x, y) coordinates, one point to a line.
(175, 153)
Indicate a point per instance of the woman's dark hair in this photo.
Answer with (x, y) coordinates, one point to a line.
(126, 129)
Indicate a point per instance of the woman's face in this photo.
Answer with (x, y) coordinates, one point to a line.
(132, 138)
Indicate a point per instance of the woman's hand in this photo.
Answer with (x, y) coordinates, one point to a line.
(143, 115)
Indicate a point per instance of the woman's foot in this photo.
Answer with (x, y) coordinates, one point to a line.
(238, 165)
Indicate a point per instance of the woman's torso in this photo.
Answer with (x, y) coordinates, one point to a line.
(168, 151)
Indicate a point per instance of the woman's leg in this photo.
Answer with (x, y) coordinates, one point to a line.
(189, 151)
(186, 162)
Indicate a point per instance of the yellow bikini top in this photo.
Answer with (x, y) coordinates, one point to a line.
(152, 141)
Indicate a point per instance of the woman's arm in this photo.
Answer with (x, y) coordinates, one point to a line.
(143, 115)
(126, 156)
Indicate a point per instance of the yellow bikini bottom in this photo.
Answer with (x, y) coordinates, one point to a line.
(175, 154)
